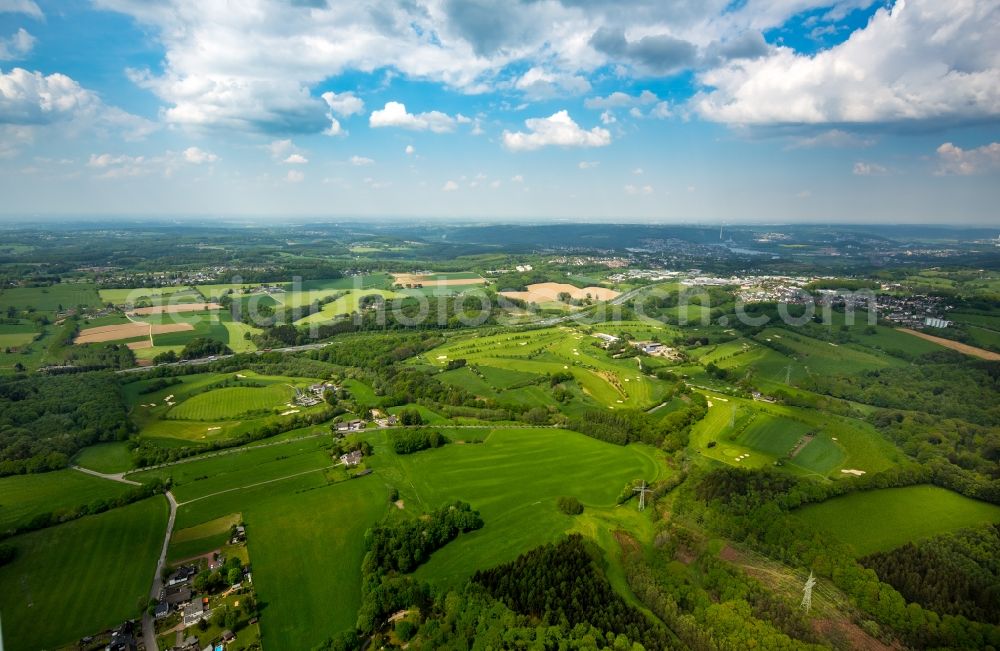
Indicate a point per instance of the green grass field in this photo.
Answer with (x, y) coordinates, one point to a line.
(773, 434)
(772, 431)
(305, 541)
(250, 465)
(22, 497)
(105, 457)
(48, 299)
(201, 539)
(16, 339)
(508, 359)
(230, 402)
(345, 305)
(514, 478)
(81, 577)
(155, 295)
(880, 520)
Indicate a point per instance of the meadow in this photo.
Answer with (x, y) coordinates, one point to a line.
(201, 539)
(514, 478)
(105, 457)
(49, 299)
(80, 577)
(305, 538)
(880, 520)
(247, 465)
(155, 295)
(23, 497)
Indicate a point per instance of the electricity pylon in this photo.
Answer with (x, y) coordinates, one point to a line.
(642, 490)
(807, 592)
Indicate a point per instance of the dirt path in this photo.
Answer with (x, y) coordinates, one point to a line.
(119, 477)
(954, 345)
(260, 483)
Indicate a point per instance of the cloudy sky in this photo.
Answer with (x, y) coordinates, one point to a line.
(689, 110)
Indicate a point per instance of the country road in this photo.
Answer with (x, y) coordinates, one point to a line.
(148, 629)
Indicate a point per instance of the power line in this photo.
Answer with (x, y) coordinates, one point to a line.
(642, 490)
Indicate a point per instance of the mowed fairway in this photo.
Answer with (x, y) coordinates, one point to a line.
(513, 479)
(230, 402)
(614, 383)
(80, 577)
(23, 497)
(880, 520)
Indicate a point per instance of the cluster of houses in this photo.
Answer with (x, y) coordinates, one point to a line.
(313, 395)
(656, 349)
(382, 419)
(355, 425)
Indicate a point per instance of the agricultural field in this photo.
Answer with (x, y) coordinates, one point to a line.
(82, 577)
(201, 539)
(548, 293)
(22, 497)
(151, 295)
(51, 298)
(880, 520)
(305, 538)
(345, 305)
(438, 279)
(822, 357)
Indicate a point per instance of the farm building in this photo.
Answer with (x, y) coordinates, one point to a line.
(606, 338)
(181, 575)
(195, 612)
(934, 322)
(351, 458)
(239, 535)
(176, 597)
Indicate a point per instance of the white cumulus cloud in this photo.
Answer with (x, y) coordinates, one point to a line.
(394, 114)
(449, 186)
(198, 156)
(295, 176)
(409, 150)
(17, 45)
(558, 129)
(918, 60)
(31, 98)
(296, 159)
(952, 159)
(862, 168)
(360, 161)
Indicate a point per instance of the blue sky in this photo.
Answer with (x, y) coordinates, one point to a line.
(688, 111)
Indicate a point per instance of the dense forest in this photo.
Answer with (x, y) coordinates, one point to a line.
(956, 573)
(45, 420)
(561, 585)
